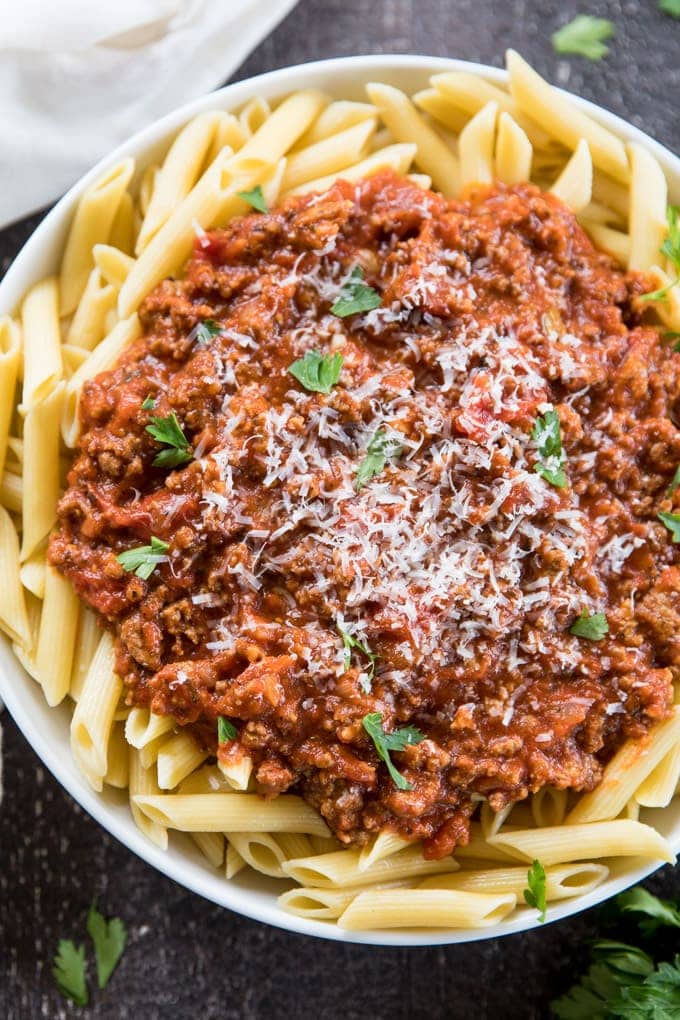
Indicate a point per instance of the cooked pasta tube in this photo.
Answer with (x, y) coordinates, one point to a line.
(87, 638)
(10, 357)
(237, 772)
(91, 225)
(142, 782)
(118, 757)
(328, 156)
(658, 788)
(148, 754)
(142, 726)
(261, 851)
(113, 264)
(477, 848)
(574, 186)
(647, 217)
(56, 636)
(613, 242)
(407, 126)
(393, 157)
(562, 120)
(384, 845)
(207, 779)
(513, 152)
(13, 615)
(93, 716)
(282, 128)
(253, 115)
(41, 484)
(322, 904)
(342, 868)
(178, 756)
(211, 845)
(626, 771)
(438, 107)
(668, 306)
(42, 342)
(562, 881)
(336, 117)
(475, 147)
(228, 134)
(11, 491)
(425, 908)
(234, 862)
(620, 837)
(232, 812)
(88, 325)
(549, 806)
(122, 234)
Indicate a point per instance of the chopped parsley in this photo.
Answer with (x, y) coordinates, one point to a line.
(592, 627)
(225, 730)
(535, 894)
(379, 450)
(109, 938)
(355, 296)
(398, 740)
(671, 7)
(317, 372)
(143, 560)
(204, 332)
(547, 435)
(350, 643)
(675, 481)
(169, 432)
(671, 250)
(672, 334)
(148, 403)
(254, 197)
(584, 37)
(672, 522)
(69, 971)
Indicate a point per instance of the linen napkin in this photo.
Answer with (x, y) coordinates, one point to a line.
(77, 77)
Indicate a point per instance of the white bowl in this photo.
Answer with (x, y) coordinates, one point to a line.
(47, 729)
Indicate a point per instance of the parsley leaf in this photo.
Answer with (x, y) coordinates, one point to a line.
(671, 7)
(535, 895)
(148, 403)
(254, 197)
(69, 971)
(584, 36)
(203, 332)
(617, 966)
(317, 372)
(592, 627)
(143, 560)
(659, 912)
(355, 296)
(675, 481)
(350, 642)
(169, 431)
(672, 522)
(109, 938)
(379, 450)
(547, 435)
(671, 249)
(225, 730)
(395, 741)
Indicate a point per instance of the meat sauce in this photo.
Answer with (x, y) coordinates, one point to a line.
(458, 566)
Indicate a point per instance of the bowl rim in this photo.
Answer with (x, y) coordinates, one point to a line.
(23, 271)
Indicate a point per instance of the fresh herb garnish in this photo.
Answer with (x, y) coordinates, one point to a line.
(592, 627)
(355, 296)
(350, 643)
(225, 730)
(379, 450)
(69, 971)
(535, 895)
(672, 522)
(143, 560)
(254, 197)
(169, 431)
(109, 938)
(671, 250)
(148, 403)
(317, 372)
(203, 332)
(547, 435)
(675, 481)
(398, 740)
(657, 912)
(584, 36)
(671, 7)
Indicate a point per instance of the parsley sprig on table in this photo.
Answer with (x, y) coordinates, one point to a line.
(317, 372)
(671, 7)
(143, 560)
(584, 37)
(397, 740)
(671, 250)
(547, 435)
(355, 296)
(169, 432)
(69, 967)
(68, 971)
(535, 894)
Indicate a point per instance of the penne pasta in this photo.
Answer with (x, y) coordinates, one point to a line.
(237, 772)
(142, 783)
(88, 325)
(11, 491)
(211, 845)
(261, 851)
(234, 862)
(425, 908)
(10, 343)
(56, 637)
(475, 147)
(123, 231)
(328, 156)
(562, 881)
(40, 483)
(178, 757)
(142, 726)
(336, 117)
(384, 845)
(87, 638)
(342, 868)
(513, 151)
(549, 806)
(647, 216)
(13, 616)
(42, 342)
(441, 109)
(574, 186)
(613, 242)
(394, 157)
(658, 789)
(118, 759)
(94, 713)
(113, 264)
(232, 812)
(621, 837)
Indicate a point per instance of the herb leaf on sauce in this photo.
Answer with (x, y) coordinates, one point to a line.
(398, 740)
(584, 36)
(317, 372)
(592, 627)
(225, 730)
(671, 250)
(69, 971)
(254, 197)
(671, 7)
(350, 643)
(355, 296)
(203, 332)
(379, 450)
(675, 481)
(547, 435)
(143, 560)
(169, 431)
(148, 403)
(535, 894)
(672, 522)
(109, 938)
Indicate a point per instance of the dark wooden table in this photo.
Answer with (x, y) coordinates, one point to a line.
(186, 957)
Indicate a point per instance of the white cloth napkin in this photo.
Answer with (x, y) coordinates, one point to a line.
(78, 76)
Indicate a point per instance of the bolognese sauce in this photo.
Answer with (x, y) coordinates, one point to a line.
(420, 449)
